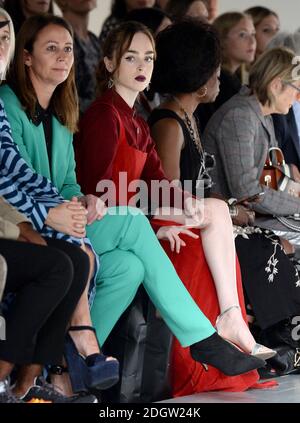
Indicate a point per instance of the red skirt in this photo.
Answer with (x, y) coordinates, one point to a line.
(189, 376)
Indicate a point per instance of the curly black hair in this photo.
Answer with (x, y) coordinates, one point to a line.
(188, 54)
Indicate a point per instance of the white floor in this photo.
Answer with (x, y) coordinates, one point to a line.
(288, 391)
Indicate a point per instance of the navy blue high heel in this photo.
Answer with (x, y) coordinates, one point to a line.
(91, 372)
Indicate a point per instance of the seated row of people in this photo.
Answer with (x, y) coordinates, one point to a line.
(125, 71)
(40, 100)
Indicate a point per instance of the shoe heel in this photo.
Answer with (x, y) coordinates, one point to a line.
(76, 366)
(92, 372)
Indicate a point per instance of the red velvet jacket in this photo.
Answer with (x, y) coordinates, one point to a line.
(97, 141)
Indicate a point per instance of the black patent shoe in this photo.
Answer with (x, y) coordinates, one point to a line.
(219, 353)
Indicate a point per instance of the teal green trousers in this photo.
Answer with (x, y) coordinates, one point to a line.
(130, 255)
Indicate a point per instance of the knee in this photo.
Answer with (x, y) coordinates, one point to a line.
(218, 207)
(127, 269)
(134, 269)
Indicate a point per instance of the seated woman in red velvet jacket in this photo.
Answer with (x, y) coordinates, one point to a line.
(112, 139)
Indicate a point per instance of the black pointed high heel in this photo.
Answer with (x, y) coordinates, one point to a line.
(219, 353)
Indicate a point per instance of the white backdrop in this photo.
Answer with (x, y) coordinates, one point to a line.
(288, 10)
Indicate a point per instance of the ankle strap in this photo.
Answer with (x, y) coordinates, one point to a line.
(228, 309)
(82, 328)
(57, 370)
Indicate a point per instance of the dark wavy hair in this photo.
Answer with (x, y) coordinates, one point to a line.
(188, 54)
(116, 44)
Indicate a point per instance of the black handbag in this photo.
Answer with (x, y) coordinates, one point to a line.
(287, 359)
(142, 343)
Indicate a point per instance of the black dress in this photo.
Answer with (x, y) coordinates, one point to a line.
(192, 162)
(270, 280)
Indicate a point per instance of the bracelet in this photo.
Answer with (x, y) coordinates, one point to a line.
(233, 210)
(231, 202)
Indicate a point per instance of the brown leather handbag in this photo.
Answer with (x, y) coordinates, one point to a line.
(275, 173)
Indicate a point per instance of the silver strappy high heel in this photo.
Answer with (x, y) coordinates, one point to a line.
(258, 350)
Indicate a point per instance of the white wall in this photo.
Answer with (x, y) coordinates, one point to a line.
(97, 16)
(288, 10)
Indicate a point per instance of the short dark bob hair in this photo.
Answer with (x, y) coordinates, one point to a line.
(188, 54)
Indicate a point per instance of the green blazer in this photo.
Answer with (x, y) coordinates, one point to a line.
(32, 145)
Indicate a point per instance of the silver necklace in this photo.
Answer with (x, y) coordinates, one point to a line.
(195, 138)
(203, 172)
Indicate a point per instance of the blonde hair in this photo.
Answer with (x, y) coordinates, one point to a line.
(223, 24)
(11, 50)
(274, 63)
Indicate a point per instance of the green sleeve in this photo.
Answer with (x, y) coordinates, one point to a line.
(70, 187)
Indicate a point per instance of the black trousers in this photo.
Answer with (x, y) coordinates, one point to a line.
(48, 282)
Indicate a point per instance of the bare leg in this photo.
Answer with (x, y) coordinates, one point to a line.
(5, 369)
(26, 378)
(85, 340)
(219, 248)
(62, 382)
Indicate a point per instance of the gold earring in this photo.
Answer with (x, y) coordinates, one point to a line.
(204, 92)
